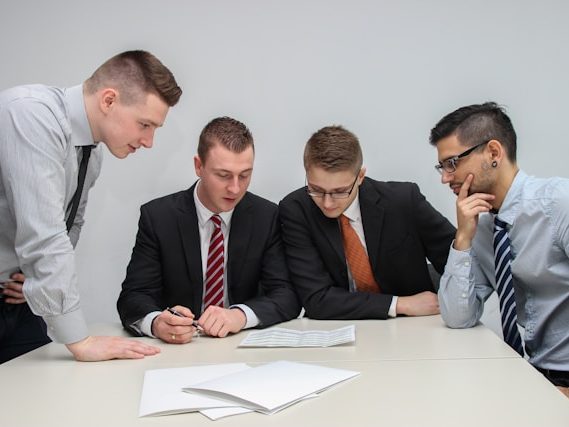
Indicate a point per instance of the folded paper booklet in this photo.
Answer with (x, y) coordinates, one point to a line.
(162, 389)
(271, 387)
(226, 389)
(282, 337)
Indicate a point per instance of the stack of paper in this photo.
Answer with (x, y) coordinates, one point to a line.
(229, 389)
(282, 337)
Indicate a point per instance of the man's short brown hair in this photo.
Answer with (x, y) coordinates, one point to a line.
(334, 149)
(136, 73)
(230, 133)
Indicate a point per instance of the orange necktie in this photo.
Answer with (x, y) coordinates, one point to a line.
(357, 258)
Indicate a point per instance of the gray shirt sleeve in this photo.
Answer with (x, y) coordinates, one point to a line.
(462, 291)
(34, 151)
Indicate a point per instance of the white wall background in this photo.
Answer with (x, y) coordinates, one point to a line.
(387, 70)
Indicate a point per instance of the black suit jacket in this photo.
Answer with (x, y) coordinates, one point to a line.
(166, 267)
(401, 230)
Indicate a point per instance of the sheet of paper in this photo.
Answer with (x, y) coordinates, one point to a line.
(282, 337)
(162, 389)
(217, 413)
(271, 387)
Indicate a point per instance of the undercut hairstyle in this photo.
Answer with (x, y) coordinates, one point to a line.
(333, 149)
(134, 74)
(228, 132)
(475, 124)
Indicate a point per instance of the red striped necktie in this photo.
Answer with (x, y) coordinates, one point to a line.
(215, 265)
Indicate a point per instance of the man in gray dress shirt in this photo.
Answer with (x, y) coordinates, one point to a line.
(45, 132)
(476, 148)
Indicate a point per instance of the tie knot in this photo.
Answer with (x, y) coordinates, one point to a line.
(344, 220)
(499, 224)
(216, 219)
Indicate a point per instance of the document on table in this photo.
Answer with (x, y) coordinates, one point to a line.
(282, 337)
(162, 389)
(271, 387)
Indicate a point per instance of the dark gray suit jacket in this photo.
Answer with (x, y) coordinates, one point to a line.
(402, 230)
(166, 267)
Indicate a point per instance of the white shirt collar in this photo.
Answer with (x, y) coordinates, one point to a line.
(204, 214)
(353, 211)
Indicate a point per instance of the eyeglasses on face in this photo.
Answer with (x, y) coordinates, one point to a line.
(334, 194)
(449, 165)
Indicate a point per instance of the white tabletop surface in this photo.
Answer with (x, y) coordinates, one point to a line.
(406, 338)
(414, 372)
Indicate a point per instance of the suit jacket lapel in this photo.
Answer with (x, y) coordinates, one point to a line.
(239, 239)
(372, 219)
(189, 232)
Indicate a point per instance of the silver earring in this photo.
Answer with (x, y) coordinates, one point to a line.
(494, 164)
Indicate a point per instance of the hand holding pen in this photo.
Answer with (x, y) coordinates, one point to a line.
(175, 325)
(195, 323)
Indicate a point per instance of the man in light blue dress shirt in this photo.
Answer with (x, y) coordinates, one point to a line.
(476, 147)
(45, 132)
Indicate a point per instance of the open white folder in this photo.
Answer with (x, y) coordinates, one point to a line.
(162, 390)
(271, 387)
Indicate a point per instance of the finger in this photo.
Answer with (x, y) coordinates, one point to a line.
(181, 330)
(216, 326)
(129, 354)
(15, 300)
(8, 291)
(223, 332)
(142, 348)
(184, 338)
(178, 321)
(185, 311)
(14, 286)
(463, 193)
(18, 277)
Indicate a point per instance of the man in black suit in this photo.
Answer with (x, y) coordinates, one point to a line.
(211, 253)
(357, 248)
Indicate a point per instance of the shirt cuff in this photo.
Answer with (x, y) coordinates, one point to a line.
(144, 325)
(458, 262)
(251, 318)
(393, 307)
(67, 328)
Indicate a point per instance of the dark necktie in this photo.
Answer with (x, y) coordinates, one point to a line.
(80, 181)
(504, 282)
(215, 265)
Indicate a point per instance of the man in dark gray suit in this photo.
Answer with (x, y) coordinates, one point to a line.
(211, 253)
(357, 248)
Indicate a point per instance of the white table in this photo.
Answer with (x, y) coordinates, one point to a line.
(414, 372)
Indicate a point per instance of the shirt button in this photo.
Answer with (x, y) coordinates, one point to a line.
(467, 263)
(464, 295)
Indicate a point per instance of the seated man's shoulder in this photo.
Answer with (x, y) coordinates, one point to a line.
(258, 203)
(297, 196)
(178, 199)
(391, 188)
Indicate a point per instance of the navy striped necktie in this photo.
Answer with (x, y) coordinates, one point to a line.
(504, 282)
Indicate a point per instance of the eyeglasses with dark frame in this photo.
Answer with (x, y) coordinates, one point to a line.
(334, 194)
(449, 165)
